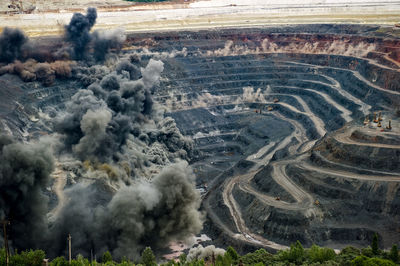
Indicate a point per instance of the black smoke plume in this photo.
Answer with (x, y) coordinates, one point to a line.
(11, 42)
(77, 31)
(127, 67)
(24, 174)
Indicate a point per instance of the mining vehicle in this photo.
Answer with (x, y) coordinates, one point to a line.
(389, 127)
(375, 119)
(366, 120)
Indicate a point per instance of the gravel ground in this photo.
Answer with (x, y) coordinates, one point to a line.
(202, 14)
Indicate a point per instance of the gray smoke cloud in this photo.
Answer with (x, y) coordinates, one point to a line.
(206, 253)
(76, 108)
(24, 174)
(153, 213)
(124, 66)
(128, 106)
(151, 73)
(11, 42)
(144, 213)
(103, 41)
(93, 127)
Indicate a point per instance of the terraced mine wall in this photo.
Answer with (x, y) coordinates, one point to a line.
(266, 186)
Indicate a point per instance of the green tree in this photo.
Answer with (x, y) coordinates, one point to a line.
(225, 260)
(82, 260)
(365, 261)
(319, 254)
(367, 252)
(106, 257)
(3, 256)
(347, 255)
(182, 258)
(28, 258)
(394, 254)
(295, 254)
(374, 245)
(260, 255)
(148, 257)
(232, 253)
(125, 263)
(59, 261)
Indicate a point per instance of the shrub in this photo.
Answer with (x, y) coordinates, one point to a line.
(3, 256)
(59, 261)
(260, 255)
(295, 254)
(318, 254)
(367, 252)
(365, 261)
(28, 258)
(347, 255)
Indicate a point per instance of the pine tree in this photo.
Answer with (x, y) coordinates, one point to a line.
(148, 257)
(374, 245)
(394, 254)
(232, 253)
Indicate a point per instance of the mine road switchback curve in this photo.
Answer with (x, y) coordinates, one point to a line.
(344, 137)
(304, 200)
(389, 178)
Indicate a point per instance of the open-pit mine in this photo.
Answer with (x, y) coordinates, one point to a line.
(295, 130)
(290, 132)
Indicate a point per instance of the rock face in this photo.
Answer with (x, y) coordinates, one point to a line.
(276, 117)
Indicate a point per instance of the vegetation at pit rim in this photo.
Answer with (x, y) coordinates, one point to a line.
(295, 255)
